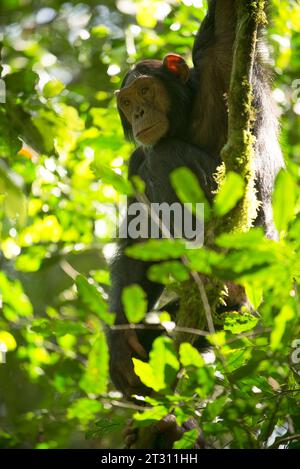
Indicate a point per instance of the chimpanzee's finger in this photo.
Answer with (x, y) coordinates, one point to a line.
(135, 344)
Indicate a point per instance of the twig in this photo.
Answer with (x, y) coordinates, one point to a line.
(159, 327)
(285, 440)
(68, 269)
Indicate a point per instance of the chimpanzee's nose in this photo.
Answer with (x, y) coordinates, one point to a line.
(139, 112)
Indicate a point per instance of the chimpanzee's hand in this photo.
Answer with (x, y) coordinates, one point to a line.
(124, 345)
(161, 435)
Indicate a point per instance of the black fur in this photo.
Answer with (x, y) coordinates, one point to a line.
(154, 166)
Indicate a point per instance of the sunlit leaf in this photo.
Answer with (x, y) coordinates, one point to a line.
(152, 415)
(188, 440)
(135, 303)
(84, 409)
(157, 250)
(188, 189)
(166, 272)
(230, 193)
(92, 297)
(53, 88)
(286, 314)
(284, 200)
(239, 240)
(95, 378)
(189, 356)
(8, 340)
(14, 298)
(237, 323)
(14, 201)
(160, 373)
(255, 294)
(108, 176)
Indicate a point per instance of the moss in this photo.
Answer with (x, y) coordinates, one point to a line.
(191, 313)
(238, 153)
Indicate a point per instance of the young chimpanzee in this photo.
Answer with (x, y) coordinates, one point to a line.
(178, 117)
(155, 104)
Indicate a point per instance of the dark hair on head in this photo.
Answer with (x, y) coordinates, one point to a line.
(181, 97)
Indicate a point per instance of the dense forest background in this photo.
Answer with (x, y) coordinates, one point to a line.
(62, 155)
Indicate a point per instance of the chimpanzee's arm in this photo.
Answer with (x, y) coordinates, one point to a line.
(125, 271)
(212, 56)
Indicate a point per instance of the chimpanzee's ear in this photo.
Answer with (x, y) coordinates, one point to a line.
(177, 65)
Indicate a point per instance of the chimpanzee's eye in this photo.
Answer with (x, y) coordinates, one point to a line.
(126, 102)
(145, 90)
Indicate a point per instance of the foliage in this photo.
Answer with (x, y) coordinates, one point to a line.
(63, 162)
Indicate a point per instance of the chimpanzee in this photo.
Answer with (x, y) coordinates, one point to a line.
(178, 117)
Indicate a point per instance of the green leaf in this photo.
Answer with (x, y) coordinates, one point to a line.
(237, 323)
(135, 303)
(15, 303)
(100, 31)
(249, 369)
(92, 297)
(155, 414)
(95, 378)
(286, 314)
(84, 409)
(254, 294)
(110, 177)
(138, 184)
(284, 200)
(14, 202)
(167, 272)
(189, 356)
(188, 440)
(146, 15)
(214, 408)
(157, 250)
(106, 426)
(203, 260)
(232, 190)
(53, 88)
(188, 189)
(146, 375)
(8, 340)
(58, 327)
(161, 371)
(245, 240)
(10, 143)
(22, 82)
(236, 358)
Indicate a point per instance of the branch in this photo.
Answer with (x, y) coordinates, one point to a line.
(238, 153)
(286, 439)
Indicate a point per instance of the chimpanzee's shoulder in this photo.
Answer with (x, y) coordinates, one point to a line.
(135, 161)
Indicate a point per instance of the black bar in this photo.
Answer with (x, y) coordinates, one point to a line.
(134, 458)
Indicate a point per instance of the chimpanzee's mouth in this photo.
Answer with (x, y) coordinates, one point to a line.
(146, 129)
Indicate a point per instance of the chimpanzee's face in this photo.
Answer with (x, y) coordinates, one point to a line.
(145, 104)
